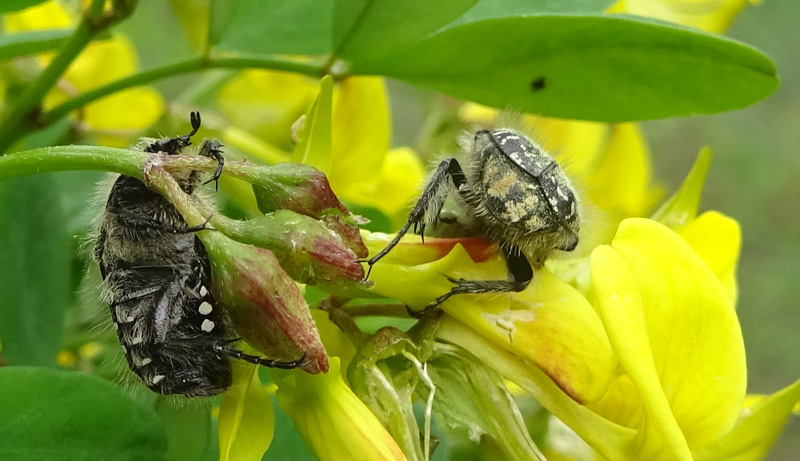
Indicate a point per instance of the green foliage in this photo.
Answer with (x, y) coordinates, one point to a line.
(8, 6)
(12, 46)
(605, 68)
(51, 414)
(36, 253)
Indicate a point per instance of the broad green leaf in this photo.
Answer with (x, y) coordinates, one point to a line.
(605, 68)
(7, 6)
(365, 28)
(279, 27)
(35, 269)
(222, 15)
(188, 428)
(487, 9)
(246, 416)
(52, 414)
(15, 45)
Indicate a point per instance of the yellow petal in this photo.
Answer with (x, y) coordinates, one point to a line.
(755, 431)
(337, 344)
(361, 134)
(549, 324)
(114, 114)
(335, 424)
(576, 144)
(681, 208)
(47, 15)
(246, 416)
(267, 103)
(616, 297)
(609, 439)
(621, 178)
(717, 239)
(709, 15)
(694, 335)
(397, 187)
(315, 146)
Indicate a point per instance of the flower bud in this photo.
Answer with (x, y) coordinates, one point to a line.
(264, 303)
(305, 190)
(309, 251)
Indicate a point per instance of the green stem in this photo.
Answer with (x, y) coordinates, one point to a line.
(26, 105)
(65, 158)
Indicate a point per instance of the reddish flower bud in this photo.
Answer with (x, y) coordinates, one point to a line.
(265, 304)
(305, 190)
(309, 251)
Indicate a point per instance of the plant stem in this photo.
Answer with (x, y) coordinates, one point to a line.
(25, 108)
(65, 158)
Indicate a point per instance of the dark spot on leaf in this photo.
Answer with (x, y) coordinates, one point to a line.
(538, 84)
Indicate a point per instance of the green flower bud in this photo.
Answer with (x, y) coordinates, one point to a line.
(306, 191)
(309, 251)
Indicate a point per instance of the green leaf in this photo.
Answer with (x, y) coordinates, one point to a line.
(7, 6)
(12, 46)
(279, 27)
(605, 68)
(488, 9)
(364, 28)
(52, 414)
(189, 429)
(35, 269)
(222, 14)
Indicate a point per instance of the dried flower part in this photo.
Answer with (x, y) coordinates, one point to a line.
(265, 304)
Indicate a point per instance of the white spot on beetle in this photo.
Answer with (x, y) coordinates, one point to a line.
(137, 340)
(157, 379)
(205, 308)
(207, 325)
(203, 291)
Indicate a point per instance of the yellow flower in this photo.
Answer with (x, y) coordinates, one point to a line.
(335, 424)
(116, 119)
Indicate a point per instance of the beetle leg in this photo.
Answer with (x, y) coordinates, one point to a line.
(447, 175)
(520, 275)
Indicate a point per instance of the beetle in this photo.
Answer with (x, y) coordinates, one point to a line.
(510, 191)
(157, 277)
